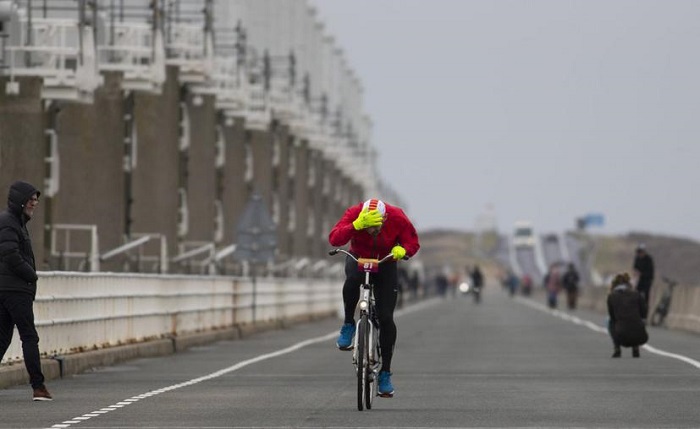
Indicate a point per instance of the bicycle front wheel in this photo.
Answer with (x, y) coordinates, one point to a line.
(362, 361)
(372, 365)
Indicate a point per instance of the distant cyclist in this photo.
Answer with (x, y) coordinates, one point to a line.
(374, 229)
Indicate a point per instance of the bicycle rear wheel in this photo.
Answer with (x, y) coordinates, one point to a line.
(362, 361)
(658, 317)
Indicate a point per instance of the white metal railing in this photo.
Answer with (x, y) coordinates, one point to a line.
(191, 50)
(86, 311)
(138, 52)
(258, 113)
(52, 49)
(284, 103)
(53, 165)
(91, 256)
(190, 250)
(159, 261)
(228, 84)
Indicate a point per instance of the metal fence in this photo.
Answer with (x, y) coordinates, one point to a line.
(88, 311)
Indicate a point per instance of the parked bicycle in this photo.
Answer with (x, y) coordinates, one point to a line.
(664, 305)
(366, 354)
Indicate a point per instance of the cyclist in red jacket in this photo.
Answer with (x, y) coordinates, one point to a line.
(374, 229)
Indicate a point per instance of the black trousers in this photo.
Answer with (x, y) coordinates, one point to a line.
(385, 296)
(16, 309)
(644, 287)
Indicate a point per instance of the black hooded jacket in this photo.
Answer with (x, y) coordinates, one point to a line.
(17, 267)
(626, 308)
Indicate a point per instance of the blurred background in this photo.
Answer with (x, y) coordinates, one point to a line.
(206, 137)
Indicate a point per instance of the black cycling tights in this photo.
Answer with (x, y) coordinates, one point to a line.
(385, 294)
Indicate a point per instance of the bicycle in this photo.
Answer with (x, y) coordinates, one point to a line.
(664, 305)
(476, 292)
(366, 353)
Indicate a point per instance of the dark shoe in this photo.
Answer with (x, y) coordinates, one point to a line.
(617, 353)
(41, 394)
(635, 352)
(347, 332)
(384, 387)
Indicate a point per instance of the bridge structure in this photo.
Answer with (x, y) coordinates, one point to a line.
(149, 125)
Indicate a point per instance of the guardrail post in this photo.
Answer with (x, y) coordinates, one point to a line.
(94, 250)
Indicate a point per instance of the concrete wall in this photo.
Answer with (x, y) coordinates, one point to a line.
(330, 207)
(95, 188)
(301, 198)
(282, 184)
(91, 148)
(683, 315)
(201, 177)
(235, 188)
(155, 179)
(261, 144)
(317, 242)
(23, 149)
(85, 311)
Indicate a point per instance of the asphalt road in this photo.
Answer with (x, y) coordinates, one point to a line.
(503, 363)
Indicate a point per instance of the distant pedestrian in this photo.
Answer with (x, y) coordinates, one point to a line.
(526, 283)
(570, 282)
(18, 282)
(644, 271)
(511, 282)
(552, 283)
(477, 277)
(441, 283)
(626, 309)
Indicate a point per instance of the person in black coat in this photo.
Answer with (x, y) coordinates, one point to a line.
(626, 309)
(18, 282)
(643, 266)
(570, 282)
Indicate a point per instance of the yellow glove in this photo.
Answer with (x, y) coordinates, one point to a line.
(367, 219)
(398, 252)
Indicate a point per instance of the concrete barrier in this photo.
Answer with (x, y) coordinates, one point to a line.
(89, 320)
(683, 315)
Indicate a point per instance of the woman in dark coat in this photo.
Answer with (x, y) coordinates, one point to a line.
(626, 308)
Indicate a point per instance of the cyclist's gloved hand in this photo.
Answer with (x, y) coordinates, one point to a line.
(367, 219)
(398, 252)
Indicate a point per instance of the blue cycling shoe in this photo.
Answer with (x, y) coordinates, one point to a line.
(385, 389)
(347, 332)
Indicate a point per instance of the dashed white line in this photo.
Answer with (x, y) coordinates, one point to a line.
(134, 399)
(221, 372)
(592, 326)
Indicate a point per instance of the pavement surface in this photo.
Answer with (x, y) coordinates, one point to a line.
(506, 363)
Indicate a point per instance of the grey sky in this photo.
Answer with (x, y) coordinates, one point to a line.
(544, 109)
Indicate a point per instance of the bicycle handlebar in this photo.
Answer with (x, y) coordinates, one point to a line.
(336, 251)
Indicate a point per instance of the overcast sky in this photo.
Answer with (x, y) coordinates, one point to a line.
(544, 110)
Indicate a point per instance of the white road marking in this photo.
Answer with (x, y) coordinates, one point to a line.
(213, 375)
(597, 328)
(224, 371)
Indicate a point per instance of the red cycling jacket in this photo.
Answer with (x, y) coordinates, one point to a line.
(397, 229)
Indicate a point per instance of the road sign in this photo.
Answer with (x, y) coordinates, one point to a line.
(594, 219)
(256, 233)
